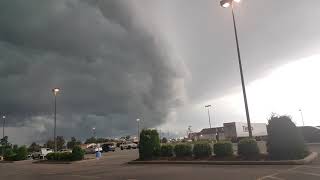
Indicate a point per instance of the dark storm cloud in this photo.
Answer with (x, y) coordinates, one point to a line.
(110, 70)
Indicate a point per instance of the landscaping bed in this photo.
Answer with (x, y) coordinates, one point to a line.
(285, 145)
(227, 161)
(261, 157)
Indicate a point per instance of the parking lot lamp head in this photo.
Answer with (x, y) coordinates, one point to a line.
(228, 3)
(55, 91)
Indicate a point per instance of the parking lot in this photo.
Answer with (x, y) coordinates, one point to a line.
(113, 165)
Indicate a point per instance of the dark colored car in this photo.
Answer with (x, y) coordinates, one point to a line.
(108, 147)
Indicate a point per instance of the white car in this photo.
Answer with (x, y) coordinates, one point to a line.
(65, 150)
(128, 145)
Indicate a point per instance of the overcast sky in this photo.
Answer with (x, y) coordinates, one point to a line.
(161, 61)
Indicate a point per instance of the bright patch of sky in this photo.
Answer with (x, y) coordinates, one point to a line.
(284, 91)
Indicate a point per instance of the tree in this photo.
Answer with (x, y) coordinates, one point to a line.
(49, 144)
(100, 140)
(15, 148)
(91, 140)
(60, 142)
(34, 147)
(21, 153)
(4, 141)
(71, 144)
(149, 146)
(284, 139)
(164, 140)
(4, 144)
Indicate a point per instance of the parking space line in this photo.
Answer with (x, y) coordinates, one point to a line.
(306, 173)
(274, 174)
(83, 176)
(270, 177)
(315, 167)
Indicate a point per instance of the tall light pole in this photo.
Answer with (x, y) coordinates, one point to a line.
(301, 117)
(4, 122)
(226, 4)
(138, 121)
(94, 132)
(208, 107)
(55, 93)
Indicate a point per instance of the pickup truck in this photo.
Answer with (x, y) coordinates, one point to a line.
(128, 145)
(42, 153)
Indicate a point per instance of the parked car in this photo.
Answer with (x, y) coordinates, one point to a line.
(108, 147)
(93, 148)
(90, 150)
(29, 157)
(65, 150)
(128, 145)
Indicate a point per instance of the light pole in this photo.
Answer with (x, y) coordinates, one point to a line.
(55, 93)
(301, 117)
(208, 107)
(94, 132)
(4, 122)
(138, 121)
(226, 4)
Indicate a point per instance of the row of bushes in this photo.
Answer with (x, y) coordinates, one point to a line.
(60, 156)
(76, 155)
(246, 148)
(150, 148)
(185, 150)
(284, 142)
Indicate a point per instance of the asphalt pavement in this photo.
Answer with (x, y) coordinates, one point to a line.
(113, 166)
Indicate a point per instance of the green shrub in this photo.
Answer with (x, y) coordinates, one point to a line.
(66, 156)
(285, 141)
(248, 147)
(16, 154)
(223, 149)
(77, 153)
(149, 145)
(202, 150)
(9, 155)
(166, 150)
(183, 150)
(50, 156)
(59, 156)
(21, 153)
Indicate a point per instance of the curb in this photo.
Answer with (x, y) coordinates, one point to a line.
(6, 161)
(312, 156)
(51, 162)
(61, 162)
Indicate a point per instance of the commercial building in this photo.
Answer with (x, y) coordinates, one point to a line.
(230, 131)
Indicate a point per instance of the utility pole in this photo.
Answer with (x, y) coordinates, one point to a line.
(208, 107)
